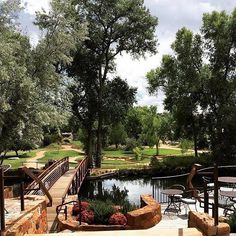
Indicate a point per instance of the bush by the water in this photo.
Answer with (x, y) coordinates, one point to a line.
(180, 162)
(102, 211)
(117, 219)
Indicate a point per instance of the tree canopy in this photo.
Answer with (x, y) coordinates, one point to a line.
(199, 82)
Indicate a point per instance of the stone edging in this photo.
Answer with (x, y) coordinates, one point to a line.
(145, 217)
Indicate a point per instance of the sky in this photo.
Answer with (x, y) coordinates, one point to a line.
(172, 15)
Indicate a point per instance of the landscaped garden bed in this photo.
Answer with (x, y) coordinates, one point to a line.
(96, 216)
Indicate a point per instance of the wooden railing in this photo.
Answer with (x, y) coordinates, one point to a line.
(77, 179)
(49, 176)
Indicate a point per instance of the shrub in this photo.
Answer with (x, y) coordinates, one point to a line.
(185, 145)
(86, 216)
(131, 143)
(76, 209)
(232, 222)
(127, 207)
(137, 153)
(102, 211)
(51, 138)
(117, 219)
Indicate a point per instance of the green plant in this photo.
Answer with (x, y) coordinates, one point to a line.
(185, 145)
(232, 222)
(131, 143)
(102, 211)
(137, 153)
(127, 207)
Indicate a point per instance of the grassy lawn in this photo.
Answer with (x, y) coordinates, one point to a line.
(162, 151)
(146, 151)
(24, 156)
(124, 164)
(118, 153)
(128, 161)
(59, 154)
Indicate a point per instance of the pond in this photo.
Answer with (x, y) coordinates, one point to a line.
(99, 189)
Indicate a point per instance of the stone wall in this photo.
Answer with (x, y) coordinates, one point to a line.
(145, 217)
(205, 224)
(33, 221)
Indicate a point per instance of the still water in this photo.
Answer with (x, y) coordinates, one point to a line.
(136, 187)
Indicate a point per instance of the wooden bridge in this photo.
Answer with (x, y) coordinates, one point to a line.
(57, 182)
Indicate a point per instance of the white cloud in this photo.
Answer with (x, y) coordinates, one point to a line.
(172, 15)
(31, 6)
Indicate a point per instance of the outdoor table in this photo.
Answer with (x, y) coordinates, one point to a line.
(230, 194)
(171, 199)
(229, 205)
(227, 179)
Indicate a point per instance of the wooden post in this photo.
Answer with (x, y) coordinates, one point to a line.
(216, 213)
(41, 184)
(206, 198)
(2, 209)
(22, 202)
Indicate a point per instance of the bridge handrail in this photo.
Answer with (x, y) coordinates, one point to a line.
(50, 170)
(77, 179)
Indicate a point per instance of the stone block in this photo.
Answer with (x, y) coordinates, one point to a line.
(205, 224)
(145, 217)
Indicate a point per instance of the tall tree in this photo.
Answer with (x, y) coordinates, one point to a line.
(202, 95)
(219, 33)
(115, 26)
(179, 75)
(29, 82)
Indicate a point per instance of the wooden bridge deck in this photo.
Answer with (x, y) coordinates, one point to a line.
(57, 191)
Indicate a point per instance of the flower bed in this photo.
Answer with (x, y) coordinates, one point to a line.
(92, 216)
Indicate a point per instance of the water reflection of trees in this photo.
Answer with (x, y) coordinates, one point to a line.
(95, 190)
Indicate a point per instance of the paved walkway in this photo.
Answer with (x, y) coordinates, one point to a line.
(33, 162)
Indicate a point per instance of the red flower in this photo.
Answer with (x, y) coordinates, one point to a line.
(76, 209)
(117, 219)
(86, 216)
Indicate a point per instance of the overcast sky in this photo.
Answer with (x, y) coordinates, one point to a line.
(172, 15)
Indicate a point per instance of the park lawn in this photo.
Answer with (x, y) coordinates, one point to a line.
(58, 154)
(124, 164)
(24, 156)
(147, 152)
(162, 151)
(117, 153)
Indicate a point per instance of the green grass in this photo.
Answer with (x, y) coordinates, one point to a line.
(56, 155)
(24, 156)
(162, 151)
(146, 152)
(124, 164)
(118, 153)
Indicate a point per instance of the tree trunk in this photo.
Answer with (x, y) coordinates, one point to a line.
(116, 145)
(99, 143)
(100, 121)
(194, 137)
(157, 147)
(90, 148)
(16, 153)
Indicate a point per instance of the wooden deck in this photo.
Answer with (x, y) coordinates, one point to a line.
(57, 191)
